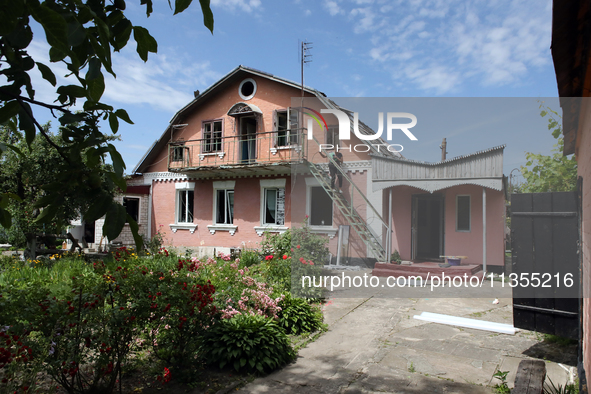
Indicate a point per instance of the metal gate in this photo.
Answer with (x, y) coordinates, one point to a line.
(545, 240)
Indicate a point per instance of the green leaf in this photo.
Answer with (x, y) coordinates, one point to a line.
(56, 29)
(25, 123)
(46, 73)
(148, 4)
(98, 208)
(96, 84)
(76, 33)
(207, 14)
(181, 5)
(118, 163)
(145, 42)
(5, 218)
(135, 231)
(114, 220)
(122, 114)
(122, 32)
(9, 110)
(113, 122)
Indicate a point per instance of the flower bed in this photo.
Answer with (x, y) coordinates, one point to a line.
(82, 324)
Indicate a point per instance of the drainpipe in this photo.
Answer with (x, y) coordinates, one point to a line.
(484, 230)
(149, 233)
(389, 239)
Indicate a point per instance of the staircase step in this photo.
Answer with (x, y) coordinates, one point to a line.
(400, 273)
(432, 268)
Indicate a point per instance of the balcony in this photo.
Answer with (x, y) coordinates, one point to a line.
(252, 154)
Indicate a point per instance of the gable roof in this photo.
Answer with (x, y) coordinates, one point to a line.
(160, 144)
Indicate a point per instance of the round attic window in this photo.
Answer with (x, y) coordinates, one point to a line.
(247, 89)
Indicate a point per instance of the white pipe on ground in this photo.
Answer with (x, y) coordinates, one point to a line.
(465, 322)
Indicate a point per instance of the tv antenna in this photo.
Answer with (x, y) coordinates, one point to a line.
(305, 57)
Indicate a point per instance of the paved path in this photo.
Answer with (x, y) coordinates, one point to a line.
(374, 345)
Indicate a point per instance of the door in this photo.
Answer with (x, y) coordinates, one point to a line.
(427, 226)
(248, 133)
(545, 242)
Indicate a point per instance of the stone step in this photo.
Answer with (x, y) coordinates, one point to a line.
(425, 275)
(432, 268)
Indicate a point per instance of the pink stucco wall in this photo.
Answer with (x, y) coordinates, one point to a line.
(455, 243)
(270, 96)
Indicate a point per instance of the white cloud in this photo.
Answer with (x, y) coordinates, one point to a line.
(332, 7)
(165, 83)
(450, 43)
(234, 5)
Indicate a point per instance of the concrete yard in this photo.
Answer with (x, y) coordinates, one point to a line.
(375, 345)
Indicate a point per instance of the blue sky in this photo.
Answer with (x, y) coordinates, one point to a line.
(361, 48)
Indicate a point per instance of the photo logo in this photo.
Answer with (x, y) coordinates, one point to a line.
(345, 124)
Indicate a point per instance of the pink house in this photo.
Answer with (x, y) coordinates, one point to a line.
(452, 208)
(236, 162)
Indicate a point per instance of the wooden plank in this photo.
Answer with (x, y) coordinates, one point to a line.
(530, 377)
(543, 260)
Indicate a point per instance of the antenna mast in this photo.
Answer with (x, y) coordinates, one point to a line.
(305, 57)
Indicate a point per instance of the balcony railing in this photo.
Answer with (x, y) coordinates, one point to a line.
(260, 149)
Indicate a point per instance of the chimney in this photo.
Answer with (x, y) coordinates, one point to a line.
(443, 148)
(196, 93)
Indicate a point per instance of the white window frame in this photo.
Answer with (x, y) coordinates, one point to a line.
(329, 230)
(183, 187)
(211, 140)
(139, 208)
(269, 184)
(231, 228)
(469, 213)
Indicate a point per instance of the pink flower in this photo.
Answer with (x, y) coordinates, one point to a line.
(298, 246)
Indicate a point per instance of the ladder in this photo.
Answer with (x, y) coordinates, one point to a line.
(349, 212)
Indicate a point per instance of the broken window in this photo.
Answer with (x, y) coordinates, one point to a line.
(132, 207)
(212, 136)
(320, 207)
(274, 206)
(177, 153)
(185, 206)
(224, 206)
(462, 213)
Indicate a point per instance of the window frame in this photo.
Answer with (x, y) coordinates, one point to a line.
(211, 140)
(191, 207)
(469, 229)
(227, 193)
(291, 140)
(139, 207)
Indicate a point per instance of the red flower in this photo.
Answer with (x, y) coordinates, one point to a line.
(298, 246)
(269, 257)
(284, 257)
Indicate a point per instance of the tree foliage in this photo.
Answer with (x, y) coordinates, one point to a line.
(550, 173)
(82, 35)
(24, 175)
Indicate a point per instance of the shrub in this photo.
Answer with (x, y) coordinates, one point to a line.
(248, 343)
(297, 316)
(249, 258)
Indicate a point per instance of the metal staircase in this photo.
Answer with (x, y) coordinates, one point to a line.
(348, 210)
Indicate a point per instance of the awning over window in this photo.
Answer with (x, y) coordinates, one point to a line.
(484, 168)
(244, 109)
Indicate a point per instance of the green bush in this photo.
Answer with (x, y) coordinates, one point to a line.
(297, 316)
(248, 258)
(248, 343)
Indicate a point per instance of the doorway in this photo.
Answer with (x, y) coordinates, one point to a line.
(248, 134)
(427, 239)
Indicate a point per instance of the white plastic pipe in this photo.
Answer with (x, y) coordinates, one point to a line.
(465, 322)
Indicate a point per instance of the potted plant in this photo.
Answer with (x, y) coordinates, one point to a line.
(395, 258)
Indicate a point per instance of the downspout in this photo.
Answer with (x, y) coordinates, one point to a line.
(389, 240)
(149, 233)
(484, 230)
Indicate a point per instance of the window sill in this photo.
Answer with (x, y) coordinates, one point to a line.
(222, 227)
(270, 228)
(219, 154)
(183, 226)
(328, 230)
(278, 148)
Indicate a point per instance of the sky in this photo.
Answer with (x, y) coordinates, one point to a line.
(360, 49)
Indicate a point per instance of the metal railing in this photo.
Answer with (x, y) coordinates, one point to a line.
(285, 146)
